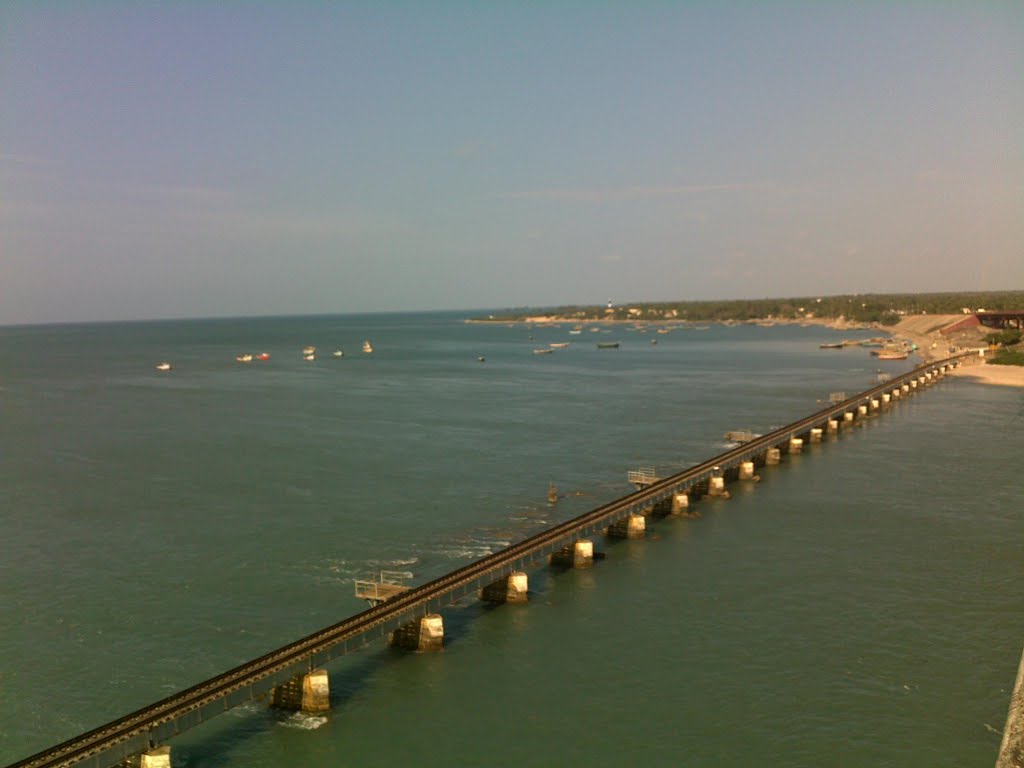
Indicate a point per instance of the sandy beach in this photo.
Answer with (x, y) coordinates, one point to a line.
(1001, 375)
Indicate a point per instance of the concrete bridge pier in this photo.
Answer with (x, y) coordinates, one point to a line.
(511, 589)
(629, 527)
(833, 425)
(772, 456)
(796, 445)
(578, 555)
(424, 634)
(905, 388)
(815, 435)
(886, 397)
(913, 383)
(310, 692)
(875, 404)
(680, 503)
(157, 757)
(716, 486)
(862, 410)
(747, 471)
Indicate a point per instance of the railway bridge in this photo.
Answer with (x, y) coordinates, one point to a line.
(292, 676)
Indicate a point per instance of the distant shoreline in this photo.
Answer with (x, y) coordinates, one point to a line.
(829, 322)
(922, 330)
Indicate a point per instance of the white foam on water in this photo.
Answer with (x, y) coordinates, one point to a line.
(303, 721)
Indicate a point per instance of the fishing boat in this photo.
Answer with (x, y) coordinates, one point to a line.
(607, 345)
(309, 350)
(558, 344)
(246, 358)
(263, 356)
(837, 345)
(892, 354)
(163, 366)
(367, 347)
(310, 357)
(543, 351)
(575, 331)
(339, 353)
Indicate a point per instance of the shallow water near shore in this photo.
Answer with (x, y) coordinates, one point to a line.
(858, 606)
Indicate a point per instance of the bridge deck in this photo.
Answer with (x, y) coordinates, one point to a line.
(156, 723)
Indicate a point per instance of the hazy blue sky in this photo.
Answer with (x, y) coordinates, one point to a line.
(199, 159)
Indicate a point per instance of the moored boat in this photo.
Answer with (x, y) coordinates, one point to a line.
(892, 354)
(543, 351)
(339, 353)
(558, 344)
(607, 345)
(246, 358)
(367, 347)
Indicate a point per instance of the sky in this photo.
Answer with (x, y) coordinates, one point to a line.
(194, 159)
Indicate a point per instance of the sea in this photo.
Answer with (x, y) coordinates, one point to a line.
(859, 606)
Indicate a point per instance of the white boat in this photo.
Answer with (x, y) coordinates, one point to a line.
(163, 366)
(309, 357)
(247, 358)
(558, 344)
(543, 351)
(339, 353)
(309, 350)
(367, 347)
(575, 332)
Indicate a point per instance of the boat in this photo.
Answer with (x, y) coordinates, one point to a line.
(575, 332)
(367, 347)
(892, 354)
(263, 356)
(558, 344)
(654, 341)
(310, 357)
(339, 353)
(481, 359)
(837, 345)
(607, 345)
(246, 358)
(163, 366)
(309, 350)
(543, 351)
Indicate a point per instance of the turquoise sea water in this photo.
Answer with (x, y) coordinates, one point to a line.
(859, 606)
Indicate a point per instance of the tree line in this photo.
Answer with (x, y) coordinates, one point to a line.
(880, 308)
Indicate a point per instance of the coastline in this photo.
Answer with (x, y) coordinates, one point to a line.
(998, 375)
(922, 330)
